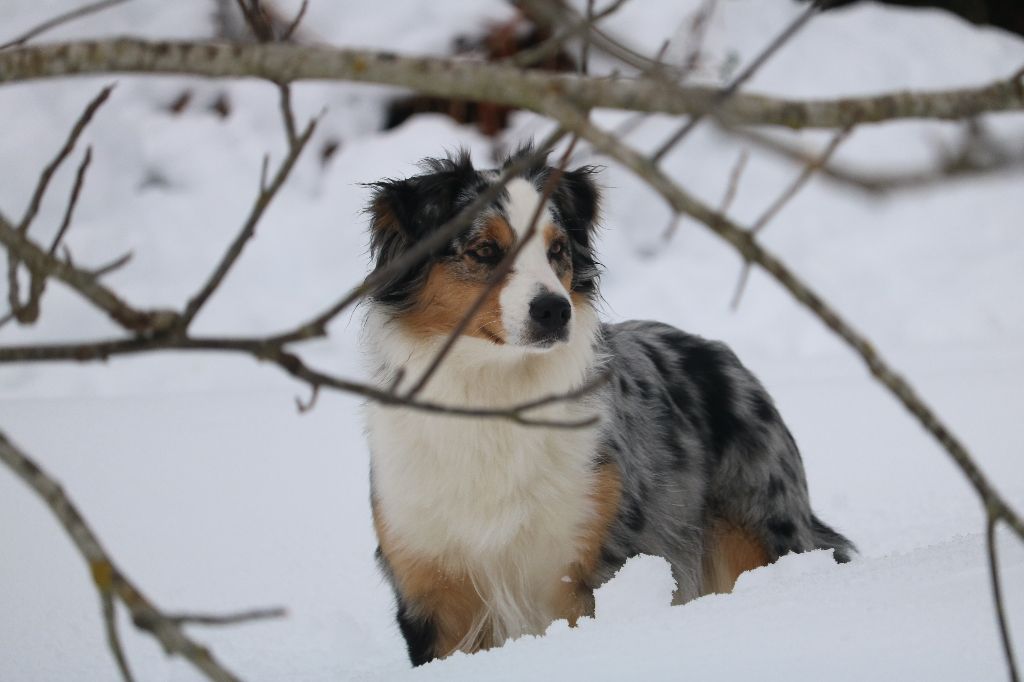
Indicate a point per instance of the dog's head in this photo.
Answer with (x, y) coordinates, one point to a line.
(535, 305)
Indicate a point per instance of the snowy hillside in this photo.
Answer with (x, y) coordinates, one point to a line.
(214, 495)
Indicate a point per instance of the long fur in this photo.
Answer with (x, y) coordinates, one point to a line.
(490, 530)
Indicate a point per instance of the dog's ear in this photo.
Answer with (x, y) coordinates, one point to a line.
(577, 201)
(404, 211)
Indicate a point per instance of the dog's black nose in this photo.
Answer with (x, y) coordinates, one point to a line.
(550, 311)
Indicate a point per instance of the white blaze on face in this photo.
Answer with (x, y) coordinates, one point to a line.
(532, 273)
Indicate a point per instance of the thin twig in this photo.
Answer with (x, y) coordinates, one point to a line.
(113, 639)
(292, 27)
(263, 200)
(727, 198)
(287, 115)
(60, 20)
(997, 593)
(558, 12)
(148, 322)
(269, 350)
(106, 575)
(759, 61)
(791, 191)
(113, 265)
(226, 619)
(585, 48)
(69, 145)
(29, 312)
(883, 182)
(76, 190)
(556, 42)
(257, 19)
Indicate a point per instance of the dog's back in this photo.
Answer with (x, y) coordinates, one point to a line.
(711, 477)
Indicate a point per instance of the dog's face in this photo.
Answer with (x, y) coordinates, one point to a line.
(534, 305)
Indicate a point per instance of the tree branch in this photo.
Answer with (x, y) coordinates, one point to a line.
(109, 580)
(283, 63)
(997, 594)
(748, 247)
(85, 283)
(263, 200)
(60, 20)
(791, 191)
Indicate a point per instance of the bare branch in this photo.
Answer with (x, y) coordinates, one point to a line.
(76, 190)
(226, 619)
(997, 594)
(751, 250)
(556, 42)
(784, 37)
(85, 283)
(60, 20)
(113, 639)
(784, 198)
(109, 580)
(113, 265)
(292, 27)
(29, 313)
(69, 146)
(964, 165)
(557, 12)
(288, 116)
(285, 63)
(263, 200)
(271, 350)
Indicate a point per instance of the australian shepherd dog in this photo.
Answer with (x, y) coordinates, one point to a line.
(489, 529)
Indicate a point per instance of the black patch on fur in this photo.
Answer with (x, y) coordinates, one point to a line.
(420, 636)
(787, 469)
(576, 204)
(782, 528)
(403, 212)
(705, 366)
(644, 388)
(654, 354)
(763, 408)
(775, 486)
(827, 538)
(624, 388)
(634, 516)
(610, 558)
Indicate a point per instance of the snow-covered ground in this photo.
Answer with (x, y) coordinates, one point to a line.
(215, 495)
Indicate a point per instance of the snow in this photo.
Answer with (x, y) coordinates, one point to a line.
(214, 494)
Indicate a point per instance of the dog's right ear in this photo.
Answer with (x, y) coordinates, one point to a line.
(392, 209)
(394, 225)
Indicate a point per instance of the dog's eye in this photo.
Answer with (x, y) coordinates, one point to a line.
(485, 253)
(556, 250)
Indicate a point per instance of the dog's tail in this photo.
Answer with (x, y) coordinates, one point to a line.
(827, 538)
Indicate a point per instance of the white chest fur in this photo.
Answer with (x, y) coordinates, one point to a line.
(502, 502)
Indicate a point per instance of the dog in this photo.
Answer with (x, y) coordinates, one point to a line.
(489, 529)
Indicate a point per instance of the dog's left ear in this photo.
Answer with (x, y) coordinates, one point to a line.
(577, 201)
